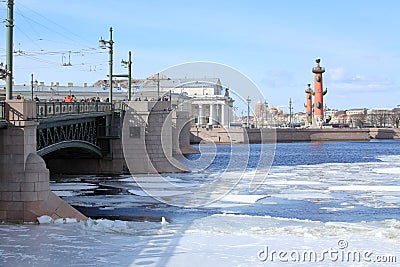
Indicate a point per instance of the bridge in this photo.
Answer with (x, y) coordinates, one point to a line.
(3, 122)
(30, 132)
(77, 129)
(84, 137)
(80, 138)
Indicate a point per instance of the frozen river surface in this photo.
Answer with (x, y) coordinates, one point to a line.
(332, 204)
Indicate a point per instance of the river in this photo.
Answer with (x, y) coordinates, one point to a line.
(330, 203)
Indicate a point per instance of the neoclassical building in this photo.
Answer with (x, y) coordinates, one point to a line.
(210, 102)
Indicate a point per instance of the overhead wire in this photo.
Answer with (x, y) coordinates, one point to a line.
(64, 29)
(33, 29)
(27, 36)
(30, 21)
(86, 57)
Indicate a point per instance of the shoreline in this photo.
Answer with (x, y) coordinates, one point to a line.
(288, 135)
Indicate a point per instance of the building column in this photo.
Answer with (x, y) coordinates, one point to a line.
(211, 118)
(217, 117)
(200, 120)
(223, 114)
(230, 116)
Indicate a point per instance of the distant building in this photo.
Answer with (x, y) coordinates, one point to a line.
(357, 117)
(380, 117)
(260, 113)
(211, 104)
(300, 118)
(362, 117)
(57, 91)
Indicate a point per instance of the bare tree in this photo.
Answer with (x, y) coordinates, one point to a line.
(358, 120)
(341, 117)
(396, 117)
(373, 119)
(382, 118)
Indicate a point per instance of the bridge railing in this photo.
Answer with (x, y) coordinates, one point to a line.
(2, 110)
(52, 109)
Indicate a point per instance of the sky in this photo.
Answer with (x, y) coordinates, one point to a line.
(274, 43)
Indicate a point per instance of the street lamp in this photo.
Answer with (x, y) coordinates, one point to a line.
(33, 83)
(3, 71)
(290, 112)
(103, 44)
(266, 112)
(9, 49)
(248, 111)
(158, 82)
(128, 64)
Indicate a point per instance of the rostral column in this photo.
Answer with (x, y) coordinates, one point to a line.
(318, 94)
(308, 105)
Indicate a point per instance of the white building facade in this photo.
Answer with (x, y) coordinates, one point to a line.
(211, 104)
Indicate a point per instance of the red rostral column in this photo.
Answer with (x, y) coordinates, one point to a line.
(308, 104)
(318, 93)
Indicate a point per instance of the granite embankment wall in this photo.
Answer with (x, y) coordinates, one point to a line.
(281, 135)
(24, 178)
(384, 133)
(329, 134)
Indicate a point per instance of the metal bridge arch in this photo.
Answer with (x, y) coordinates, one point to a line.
(86, 146)
(57, 132)
(75, 127)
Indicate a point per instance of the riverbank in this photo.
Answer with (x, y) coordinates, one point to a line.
(281, 135)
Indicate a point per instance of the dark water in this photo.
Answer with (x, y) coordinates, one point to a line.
(286, 154)
(292, 154)
(310, 153)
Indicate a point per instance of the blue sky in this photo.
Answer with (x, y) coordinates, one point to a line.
(274, 43)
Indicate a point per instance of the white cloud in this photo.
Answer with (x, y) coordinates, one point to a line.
(277, 78)
(338, 74)
(339, 79)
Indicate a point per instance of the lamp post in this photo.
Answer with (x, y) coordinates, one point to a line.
(103, 44)
(9, 48)
(158, 82)
(34, 84)
(266, 112)
(128, 64)
(248, 100)
(290, 112)
(262, 115)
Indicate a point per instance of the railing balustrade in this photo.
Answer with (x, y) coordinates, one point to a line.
(2, 110)
(52, 109)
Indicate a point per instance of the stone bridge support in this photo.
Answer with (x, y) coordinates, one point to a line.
(181, 124)
(148, 138)
(24, 178)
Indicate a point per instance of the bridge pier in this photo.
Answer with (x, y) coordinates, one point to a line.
(24, 179)
(181, 134)
(148, 139)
